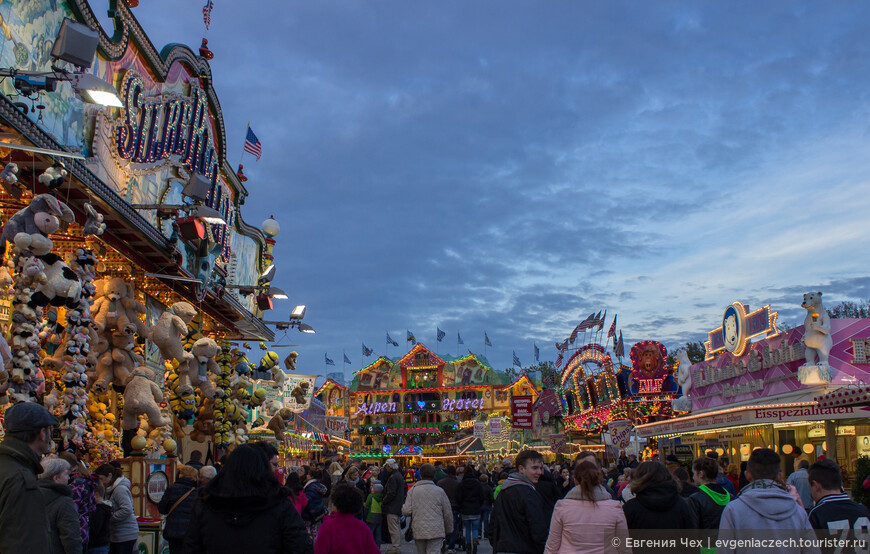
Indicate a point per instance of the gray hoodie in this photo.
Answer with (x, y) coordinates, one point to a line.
(764, 510)
(123, 525)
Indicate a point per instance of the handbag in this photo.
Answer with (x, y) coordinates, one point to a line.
(409, 532)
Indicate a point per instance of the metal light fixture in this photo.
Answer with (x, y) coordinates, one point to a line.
(305, 328)
(197, 188)
(94, 90)
(267, 275)
(75, 43)
(298, 312)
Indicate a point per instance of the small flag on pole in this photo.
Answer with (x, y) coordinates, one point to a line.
(612, 331)
(486, 339)
(441, 334)
(391, 341)
(537, 353)
(517, 360)
(410, 338)
(206, 13)
(252, 144)
(346, 359)
(620, 348)
(559, 360)
(459, 339)
(366, 350)
(601, 321)
(326, 360)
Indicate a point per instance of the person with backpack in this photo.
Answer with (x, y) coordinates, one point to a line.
(374, 511)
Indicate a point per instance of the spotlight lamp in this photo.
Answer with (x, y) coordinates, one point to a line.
(298, 313)
(267, 275)
(76, 45)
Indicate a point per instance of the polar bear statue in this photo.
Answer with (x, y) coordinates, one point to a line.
(817, 330)
(684, 378)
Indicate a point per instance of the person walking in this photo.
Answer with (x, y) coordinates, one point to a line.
(657, 503)
(342, 532)
(316, 491)
(177, 506)
(63, 518)
(206, 474)
(800, 481)
(550, 493)
(82, 484)
(123, 527)
(245, 506)
(588, 520)
(430, 511)
(23, 519)
(834, 512)
(764, 504)
(470, 498)
(374, 511)
(450, 485)
(394, 498)
(486, 509)
(517, 522)
(710, 500)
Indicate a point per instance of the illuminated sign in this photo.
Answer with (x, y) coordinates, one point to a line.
(157, 127)
(650, 386)
(738, 328)
(450, 405)
(376, 408)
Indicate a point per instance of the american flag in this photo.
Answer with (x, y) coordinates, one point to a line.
(612, 331)
(620, 347)
(601, 321)
(559, 360)
(252, 144)
(206, 13)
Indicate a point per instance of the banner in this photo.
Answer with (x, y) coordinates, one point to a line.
(297, 393)
(479, 429)
(336, 425)
(521, 412)
(620, 432)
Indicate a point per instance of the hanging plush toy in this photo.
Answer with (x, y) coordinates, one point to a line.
(9, 181)
(94, 224)
(195, 372)
(141, 396)
(53, 176)
(29, 228)
(171, 328)
(116, 308)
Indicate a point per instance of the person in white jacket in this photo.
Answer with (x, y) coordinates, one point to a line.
(430, 511)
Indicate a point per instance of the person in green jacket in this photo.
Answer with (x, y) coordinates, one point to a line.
(23, 520)
(374, 513)
(63, 517)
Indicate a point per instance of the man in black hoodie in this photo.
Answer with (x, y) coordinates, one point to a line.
(550, 493)
(517, 523)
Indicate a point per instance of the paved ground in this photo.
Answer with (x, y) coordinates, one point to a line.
(409, 548)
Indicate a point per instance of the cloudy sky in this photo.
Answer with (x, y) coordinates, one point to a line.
(511, 166)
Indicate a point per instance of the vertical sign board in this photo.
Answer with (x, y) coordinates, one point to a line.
(521, 412)
(494, 427)
(479, 429)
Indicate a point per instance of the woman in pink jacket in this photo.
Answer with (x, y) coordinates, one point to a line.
(587, 520)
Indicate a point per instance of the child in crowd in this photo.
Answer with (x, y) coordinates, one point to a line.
(98, 523)
(374, 514)
(341, 532)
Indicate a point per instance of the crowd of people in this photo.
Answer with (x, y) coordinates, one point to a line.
(54, 504)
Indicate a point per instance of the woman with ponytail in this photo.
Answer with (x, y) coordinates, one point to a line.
(587, 520)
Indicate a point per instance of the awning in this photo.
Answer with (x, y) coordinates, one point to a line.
(851, 396)
(413, 431)
(473, 446)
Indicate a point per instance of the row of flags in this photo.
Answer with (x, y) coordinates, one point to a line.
(593, 321)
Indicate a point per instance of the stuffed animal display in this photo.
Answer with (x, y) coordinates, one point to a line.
(141, 396)
(29, 228)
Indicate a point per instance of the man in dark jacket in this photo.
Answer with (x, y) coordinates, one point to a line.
(517, 522)
(23, 520)
(394, 498)
(470, 497)
(834, 512)
(178, 499)
(450, 484)
(710, 501)
(550, 493)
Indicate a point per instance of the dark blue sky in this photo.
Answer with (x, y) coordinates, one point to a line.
(512, 166)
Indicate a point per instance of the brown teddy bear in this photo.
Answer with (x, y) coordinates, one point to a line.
(141, 396)
(300, 392)
(203, 425)
(116, 308)
(279, 422)
(117, 363)
(195, 372)
(290, 361)
(171, 328)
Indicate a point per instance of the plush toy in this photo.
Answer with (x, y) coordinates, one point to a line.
(29, 228)
(9, 181)
(94, 224)
(117, 363)
(141, 396)
(300, 392)
(62, 286)
(279, 422)
(290, 361)
(171, 328)
(116, 308)
(53, 175)
(195, 372)
(203, 425)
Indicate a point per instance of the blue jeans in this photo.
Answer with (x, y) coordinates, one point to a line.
(376, 531)
(98, 549)
(457, 525)
(472, 531)
(484, 520)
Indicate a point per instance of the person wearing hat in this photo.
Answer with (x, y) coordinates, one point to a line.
(23, 518)
(394, 498)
